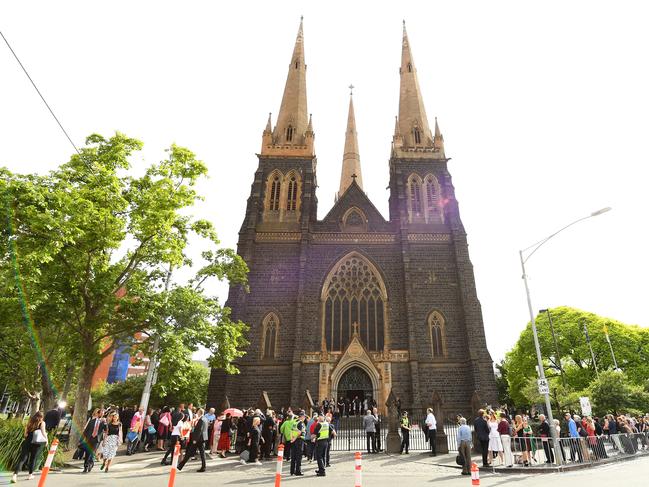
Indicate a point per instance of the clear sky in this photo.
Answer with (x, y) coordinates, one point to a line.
(543, 107)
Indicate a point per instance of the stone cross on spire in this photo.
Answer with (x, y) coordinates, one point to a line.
(351, 170)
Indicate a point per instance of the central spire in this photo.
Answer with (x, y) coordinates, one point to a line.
(292, 134)
(413, 128)
(351, 159)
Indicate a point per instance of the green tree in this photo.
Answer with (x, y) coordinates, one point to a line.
(630, 342)
(92, 244)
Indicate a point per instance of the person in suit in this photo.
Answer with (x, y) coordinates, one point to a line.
(197, 440)
(482, 432)
(92, 433)
(52, 419)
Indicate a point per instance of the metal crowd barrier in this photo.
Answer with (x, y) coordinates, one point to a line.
(592, 449)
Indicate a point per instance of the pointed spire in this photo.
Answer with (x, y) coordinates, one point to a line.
(438, 140)
(351, 170)
(269, 127)
(413, 123)
(267, 136)
(293, 119)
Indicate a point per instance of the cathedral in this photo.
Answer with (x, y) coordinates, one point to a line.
(355, 305)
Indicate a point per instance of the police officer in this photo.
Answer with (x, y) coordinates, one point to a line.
(321, 432)
(297, 443)
(285, 430)
(405, 432)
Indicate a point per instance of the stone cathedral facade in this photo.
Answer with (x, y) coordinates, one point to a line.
(354, 304)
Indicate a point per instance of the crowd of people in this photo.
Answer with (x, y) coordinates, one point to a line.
(251, 434)
(504, 440)
(255, 436)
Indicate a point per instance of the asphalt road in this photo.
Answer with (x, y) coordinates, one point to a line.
(378, 471)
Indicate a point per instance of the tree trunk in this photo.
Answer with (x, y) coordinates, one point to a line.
(81, 402)
(48, 398)
(69, 375)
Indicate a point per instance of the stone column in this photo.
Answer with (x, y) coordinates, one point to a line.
(441, 442)
(393, 440)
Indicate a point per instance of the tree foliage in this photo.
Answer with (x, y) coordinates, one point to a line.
(90, 246)
(191, 387)
(630, 344)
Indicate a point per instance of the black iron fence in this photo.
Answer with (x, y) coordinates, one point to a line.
(351, 435)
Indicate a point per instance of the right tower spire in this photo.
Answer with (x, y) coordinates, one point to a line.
(412, 125)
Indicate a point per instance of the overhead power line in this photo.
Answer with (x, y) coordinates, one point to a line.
(41, 95)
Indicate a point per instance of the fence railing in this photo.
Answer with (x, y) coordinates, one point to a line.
(593, 449)
(351, 435)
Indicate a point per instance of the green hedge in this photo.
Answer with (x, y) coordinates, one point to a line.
(11, 438)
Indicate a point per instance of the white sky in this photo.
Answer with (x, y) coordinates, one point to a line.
(543, 107)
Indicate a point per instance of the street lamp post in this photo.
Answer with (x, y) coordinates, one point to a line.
(556, 344)
(534, 247)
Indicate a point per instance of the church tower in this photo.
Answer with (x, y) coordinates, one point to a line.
(434, 246)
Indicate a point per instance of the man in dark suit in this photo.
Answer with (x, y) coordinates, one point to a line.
(91, 434)
(52, 419)
(482, 432)
(197, 439)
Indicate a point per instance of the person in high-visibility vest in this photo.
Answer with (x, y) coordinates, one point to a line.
(321, 432)
(405, 432)
(285, 429)
(297, 443)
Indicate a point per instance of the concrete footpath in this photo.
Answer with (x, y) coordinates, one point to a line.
(144, 470)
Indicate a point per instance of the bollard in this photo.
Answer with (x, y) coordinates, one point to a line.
(280, 461)
(174, 465)
(475, 474)
(358, 479)
(48, 462)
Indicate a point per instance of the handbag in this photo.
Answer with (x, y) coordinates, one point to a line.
(459, 460)
(131, 435)
(38, 438)
(164, 420)
(151, 430)
(245, 455)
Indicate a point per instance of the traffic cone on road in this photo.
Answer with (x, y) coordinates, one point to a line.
(475, 474)
(358, 478)
(280, 461)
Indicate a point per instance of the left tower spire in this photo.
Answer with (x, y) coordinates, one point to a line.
(292, 134)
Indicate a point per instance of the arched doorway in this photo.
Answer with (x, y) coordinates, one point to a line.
(355, 383)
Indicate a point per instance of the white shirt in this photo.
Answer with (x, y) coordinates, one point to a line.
(177, 429)
(431, 421)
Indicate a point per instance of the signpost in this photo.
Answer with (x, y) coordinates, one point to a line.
(544, 386)
(586, 410)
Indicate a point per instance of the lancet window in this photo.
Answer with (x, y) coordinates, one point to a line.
(354, 301)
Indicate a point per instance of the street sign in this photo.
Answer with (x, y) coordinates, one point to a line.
(544, 386)
(586, 410)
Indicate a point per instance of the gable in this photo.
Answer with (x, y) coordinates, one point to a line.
(354, 212)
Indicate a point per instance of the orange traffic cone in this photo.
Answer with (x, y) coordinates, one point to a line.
(475, 474)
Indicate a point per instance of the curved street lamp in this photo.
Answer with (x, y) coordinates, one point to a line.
(534, 247)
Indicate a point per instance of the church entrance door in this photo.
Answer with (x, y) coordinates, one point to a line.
(355, 384)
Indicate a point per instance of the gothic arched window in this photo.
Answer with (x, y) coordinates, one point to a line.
(291, 202)
(417, 134)
(432, 189)
(410, 67)
(437, 334)
(270, 327)
(275, 189)
(354, 299)
(414, 184)
(289, 133)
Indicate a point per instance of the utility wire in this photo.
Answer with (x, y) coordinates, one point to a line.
(39, 94)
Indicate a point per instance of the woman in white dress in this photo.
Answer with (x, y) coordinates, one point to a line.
(495, 445)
